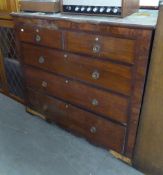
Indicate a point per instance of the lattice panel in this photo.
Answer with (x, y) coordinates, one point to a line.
(11, 63)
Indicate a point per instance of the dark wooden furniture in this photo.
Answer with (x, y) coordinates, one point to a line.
(87, 77)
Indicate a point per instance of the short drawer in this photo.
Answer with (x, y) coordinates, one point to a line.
(80, 122)
(50, 37)
(105, 74)
(120, 49)
(101, 102)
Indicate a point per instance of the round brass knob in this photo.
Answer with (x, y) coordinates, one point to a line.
(38, 38)
(95, 75)
(37, 30)
(66, 81)
(96, 39)
(93, 129)
(41, 60)
(65, 55)
(44, 84)
(95, 102)
(96, 48)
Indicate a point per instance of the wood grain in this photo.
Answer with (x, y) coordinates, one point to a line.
(80, 122)
(6, 23)
(148, 155)
(123, 59)
(48, 37)
(110, 47)
(130, 7)
(39, 6)
(80, 67)
(79, 94)
(8, 6)
(144, 43)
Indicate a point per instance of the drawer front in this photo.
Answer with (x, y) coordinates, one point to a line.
(95, 129)
(120, 49)
(108, 75)
(41, 36)
(98, 101)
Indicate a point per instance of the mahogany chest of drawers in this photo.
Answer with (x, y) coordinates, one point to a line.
(86, 77)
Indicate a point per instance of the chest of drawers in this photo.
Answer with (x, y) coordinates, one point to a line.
(88, 78)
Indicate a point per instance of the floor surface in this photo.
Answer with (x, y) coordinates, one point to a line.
(31, 146)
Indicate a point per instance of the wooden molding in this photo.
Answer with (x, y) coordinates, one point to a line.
(5, 16)
(6, 23)
(121, 157)
(2, 74)
(31, 111)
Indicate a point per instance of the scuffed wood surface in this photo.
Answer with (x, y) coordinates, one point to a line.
(144, 18)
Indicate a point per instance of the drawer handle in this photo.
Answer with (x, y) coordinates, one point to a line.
(38, 38)
(96, 39)
(44, 84)
(65, 55)
(66, 81)
(66, 106)
(95, 75)
(37, 30)
(96, 48)
(95, 102)
(41, 60)
(93, 129)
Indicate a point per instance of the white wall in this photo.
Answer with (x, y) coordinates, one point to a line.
(149, 2)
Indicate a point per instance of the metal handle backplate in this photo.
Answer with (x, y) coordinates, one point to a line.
(38, 38)
(41, 60)
(95, 102)
(95, 75)
(93, 129)
(96, 48)
(44, 84)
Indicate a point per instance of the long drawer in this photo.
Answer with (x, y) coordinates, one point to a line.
(120, 49)
(40, 35)
(105, 74)
(101, 102)
(88, 125)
